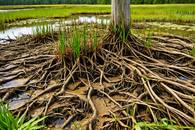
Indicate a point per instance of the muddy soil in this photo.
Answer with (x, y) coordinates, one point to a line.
(112, 87)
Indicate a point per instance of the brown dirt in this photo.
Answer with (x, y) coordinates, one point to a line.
(110, 88)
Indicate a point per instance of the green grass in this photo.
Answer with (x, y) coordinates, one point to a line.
(9, 122)
(62, 43)
(60, 11)
(77, 126)
(164, 124)
(167, 12)
(148, 42)
(171, 12)
(95, 40)
(44, 29)
(76, 43)
(78, 40)
(192, 52)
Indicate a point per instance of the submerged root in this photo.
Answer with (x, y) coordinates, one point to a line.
(122, 83)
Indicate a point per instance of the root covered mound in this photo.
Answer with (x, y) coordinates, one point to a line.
(116, 86)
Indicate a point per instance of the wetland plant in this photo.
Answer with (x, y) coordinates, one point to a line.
(9, 122)
(162, 125)
(85, 38)
(42, 30)
(62, 43)
(121, 32)
(77, 126)
(76, 44)
(77, 40)
(2, 25)
(148, 42)
(192, 52)
(95, 40)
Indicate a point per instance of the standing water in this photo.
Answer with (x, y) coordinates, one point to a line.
(12, 10)
(14, 32)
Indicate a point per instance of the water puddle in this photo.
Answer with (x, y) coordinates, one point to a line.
(18, 101)
(28, 27)
(56, 123)
(12, 10)
(14, 83)
(15, 32)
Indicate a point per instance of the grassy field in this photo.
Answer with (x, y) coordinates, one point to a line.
(89, 76)
(175, 12)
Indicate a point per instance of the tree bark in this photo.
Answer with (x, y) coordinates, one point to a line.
(121, 13)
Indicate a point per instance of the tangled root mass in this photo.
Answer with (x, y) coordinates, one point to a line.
(119, 84)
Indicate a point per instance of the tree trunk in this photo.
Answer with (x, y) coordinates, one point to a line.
(121, 13)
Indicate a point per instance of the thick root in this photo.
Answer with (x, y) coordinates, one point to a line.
(116, 86)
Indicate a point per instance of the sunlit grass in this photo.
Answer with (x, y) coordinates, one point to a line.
(62, 43)
(78, 40)
(192, 52)
(51, 12)
(76, 43)
(162, 125)
(44, 29)
(9, 122)
(171, 12)
(148, 42)
(167, 12)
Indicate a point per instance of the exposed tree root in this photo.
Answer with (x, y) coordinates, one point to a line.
(114, 87)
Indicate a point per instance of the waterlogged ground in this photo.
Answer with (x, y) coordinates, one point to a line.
(28, 27)
(13, 10)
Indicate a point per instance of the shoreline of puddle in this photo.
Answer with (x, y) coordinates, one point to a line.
(13, 10)
(14, 32)
(56, 24)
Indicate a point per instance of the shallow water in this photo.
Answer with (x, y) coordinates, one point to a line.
(15, 32)
(14, 83)
(18, 101)
(12, 10)
(172, 26)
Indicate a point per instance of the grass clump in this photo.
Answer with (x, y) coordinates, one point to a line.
(121, 32)
(62, 43)
(85, 38)
(148, 42)
(192, 52)
(95, 40)
(162, 125)
(77, 41)
(76, 44)
(42, 30)
(174, 12)
(9, 122)
(77, 126)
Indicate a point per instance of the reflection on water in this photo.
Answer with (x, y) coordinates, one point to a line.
(102, 19)
(14, 83)
(93, 19)
(18, 101)
(15, 32)
(19, 31)
(12, 10)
